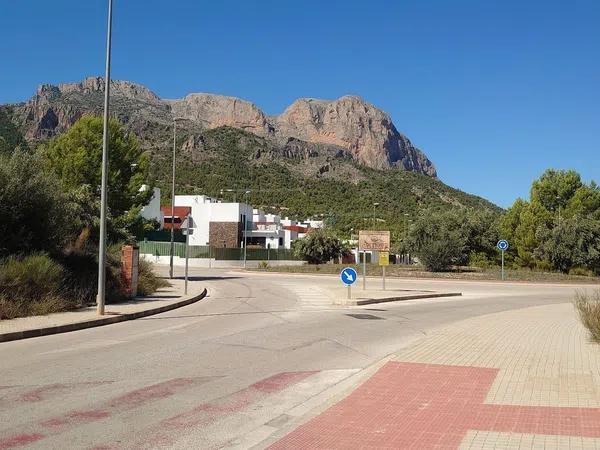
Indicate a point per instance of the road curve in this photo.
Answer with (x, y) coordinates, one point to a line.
(211, 374)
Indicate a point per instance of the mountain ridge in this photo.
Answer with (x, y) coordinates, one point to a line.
(348, 122)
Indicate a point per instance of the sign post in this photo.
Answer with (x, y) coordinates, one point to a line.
(348, 276)
(384, 260)
(374, 241)
(187, 224)
(502, 246)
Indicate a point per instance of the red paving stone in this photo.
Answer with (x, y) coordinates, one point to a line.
(430, 406)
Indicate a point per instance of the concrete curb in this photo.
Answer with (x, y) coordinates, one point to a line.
(37, 332)
(370, 301)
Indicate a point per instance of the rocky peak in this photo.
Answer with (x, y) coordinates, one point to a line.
(214, 111)
(348, 123)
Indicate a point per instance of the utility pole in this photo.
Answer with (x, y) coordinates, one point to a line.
(245, 229)
(100, 298)
(173, 202)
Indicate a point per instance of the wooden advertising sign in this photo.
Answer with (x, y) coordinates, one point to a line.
(374, 240)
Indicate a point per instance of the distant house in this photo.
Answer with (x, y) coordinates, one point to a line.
(217, 223)
(225, 224)
(174, 221)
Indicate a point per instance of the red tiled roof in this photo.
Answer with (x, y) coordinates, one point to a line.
(296, 228)
(179, 211)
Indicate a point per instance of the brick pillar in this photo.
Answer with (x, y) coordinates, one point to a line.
(129, 269)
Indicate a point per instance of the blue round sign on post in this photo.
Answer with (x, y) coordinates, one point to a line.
(348, 276)
(502, 244)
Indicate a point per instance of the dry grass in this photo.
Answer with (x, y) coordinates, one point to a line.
(148, 281)
(462, 273)
(588, 307)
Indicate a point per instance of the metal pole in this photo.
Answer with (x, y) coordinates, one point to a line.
(502, 264)
(349, 292)
(364, 270)
(245, 230)
(384, 278)
(173, 203)
(187, 252)
(100, 298)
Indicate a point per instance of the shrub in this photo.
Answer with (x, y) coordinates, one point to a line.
(32, 285)
(30, 277)
(319, 247)
(438, 240)
(148, 281)
(263, 265)
(480, 259)
(588, 307)
(581, 272)
(35, 214)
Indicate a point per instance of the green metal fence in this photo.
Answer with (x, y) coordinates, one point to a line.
(219, 253)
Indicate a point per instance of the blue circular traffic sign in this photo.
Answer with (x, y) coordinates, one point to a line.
(503, 244)
(348, 276)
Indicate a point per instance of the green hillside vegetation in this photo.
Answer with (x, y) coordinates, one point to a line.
(49, 204)
(229, 161)
(10, 136)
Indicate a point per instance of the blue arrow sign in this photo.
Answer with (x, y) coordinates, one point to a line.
(502, 244)
(348, 276)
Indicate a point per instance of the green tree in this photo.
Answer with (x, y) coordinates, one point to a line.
(319, 247)
(439, 240)
(555, 188)
(584, 203)
(574, 242)
(10, 136)
(76, 159)
(35, 213)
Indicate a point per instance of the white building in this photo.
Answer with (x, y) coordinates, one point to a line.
(215, 223)
(221, 224)
(152, 210)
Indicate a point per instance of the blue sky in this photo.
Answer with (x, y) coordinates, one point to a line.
(494, 92)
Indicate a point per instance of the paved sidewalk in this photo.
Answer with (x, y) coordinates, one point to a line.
(164, 297)
(520, 379)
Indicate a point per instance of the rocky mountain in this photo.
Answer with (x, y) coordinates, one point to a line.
(342, 128)
(331, 159)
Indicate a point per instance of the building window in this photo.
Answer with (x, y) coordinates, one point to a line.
(280, 241)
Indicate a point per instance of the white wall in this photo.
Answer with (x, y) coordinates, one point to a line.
(212, 263)
(206, 209)
(152, 210)
(200, 205)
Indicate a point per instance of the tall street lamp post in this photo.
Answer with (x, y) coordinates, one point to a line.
(100, 298)
(175, 119)
(245, 229)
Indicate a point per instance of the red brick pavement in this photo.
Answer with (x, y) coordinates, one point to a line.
(429, 406)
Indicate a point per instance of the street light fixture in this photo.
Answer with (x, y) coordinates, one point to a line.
(100, 298)
(175, 119)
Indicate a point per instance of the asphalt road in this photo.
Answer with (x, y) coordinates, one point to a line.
(209, 375)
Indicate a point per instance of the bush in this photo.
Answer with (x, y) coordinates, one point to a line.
(148, 281)
(32, 285)
(36, 215)
(481, 260)
(319, 247)
(588, 307)
(264, 265)
(581, 272)
(438, 240)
